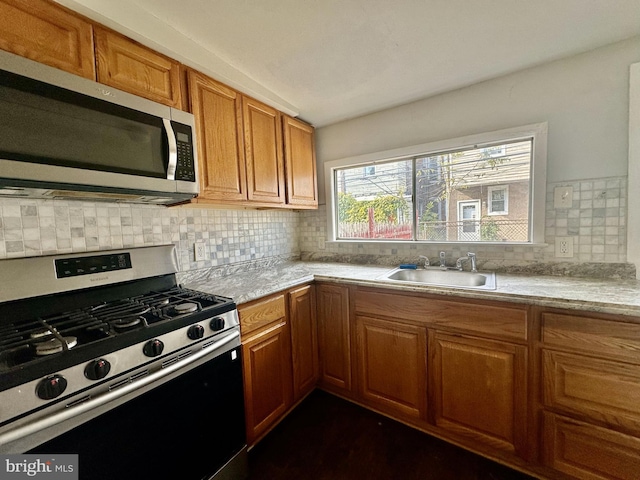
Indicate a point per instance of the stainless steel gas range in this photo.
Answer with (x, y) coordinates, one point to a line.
(104, 355)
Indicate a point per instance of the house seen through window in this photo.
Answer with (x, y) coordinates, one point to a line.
(474, 194)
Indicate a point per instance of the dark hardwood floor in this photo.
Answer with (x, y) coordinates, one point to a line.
(326, 437)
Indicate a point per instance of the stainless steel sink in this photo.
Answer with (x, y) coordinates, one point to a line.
(445, 278)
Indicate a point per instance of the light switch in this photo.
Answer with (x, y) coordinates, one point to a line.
(563, 197)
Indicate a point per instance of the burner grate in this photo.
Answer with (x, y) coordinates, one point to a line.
(19, 340)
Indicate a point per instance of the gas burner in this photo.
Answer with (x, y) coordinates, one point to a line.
(183, 308)
(54, 345)
(125, 323)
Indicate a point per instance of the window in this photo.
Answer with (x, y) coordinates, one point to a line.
(498, 200)
(476, 192)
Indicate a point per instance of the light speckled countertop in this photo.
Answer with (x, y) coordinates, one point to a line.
(596, 295)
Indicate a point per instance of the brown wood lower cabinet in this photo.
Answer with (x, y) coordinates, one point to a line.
(266, 362)
(392, 368)
(460, 369)
(304, 340)
(590, 375)
(267, 367)
(588, 452)
(334, 338)
(478, 389)
(280, 351)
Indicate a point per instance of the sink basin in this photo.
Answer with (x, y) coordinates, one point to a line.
(445, 278)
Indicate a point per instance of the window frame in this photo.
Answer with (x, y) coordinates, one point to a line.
(537, 132)
(505, 211)
(366, 173)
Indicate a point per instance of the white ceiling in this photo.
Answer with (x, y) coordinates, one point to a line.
(330, 60)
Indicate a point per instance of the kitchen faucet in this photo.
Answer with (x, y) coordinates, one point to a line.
(442, 260)
(426, 260)
(470, 256)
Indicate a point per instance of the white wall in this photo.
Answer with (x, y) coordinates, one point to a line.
(584, 99)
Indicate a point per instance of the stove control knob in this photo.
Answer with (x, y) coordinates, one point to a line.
(97, 369)
(195, 332)
(153, 348)
(217, 324)
(51, 387)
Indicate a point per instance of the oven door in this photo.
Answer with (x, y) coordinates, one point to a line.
(192, 425)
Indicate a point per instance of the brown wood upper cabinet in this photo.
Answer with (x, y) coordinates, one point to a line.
(134, 68)
(48, 33)
(239, 146)
(263, 152)
(218, 114)
(300, 163)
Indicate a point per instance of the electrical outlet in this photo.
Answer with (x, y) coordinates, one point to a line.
(563, 197)
(564, 247)
(199, 251)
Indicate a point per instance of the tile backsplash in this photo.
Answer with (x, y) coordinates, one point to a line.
(44, 227)
(596, 221)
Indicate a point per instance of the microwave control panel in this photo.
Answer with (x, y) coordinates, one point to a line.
(184, 140)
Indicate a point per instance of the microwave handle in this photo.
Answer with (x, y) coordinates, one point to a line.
(173, 149)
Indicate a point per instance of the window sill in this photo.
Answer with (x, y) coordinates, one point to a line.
(423, 243)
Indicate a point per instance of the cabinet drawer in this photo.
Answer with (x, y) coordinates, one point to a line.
(258, 315)
(492, 320)
(592, 335)
(584, 385)
(589, 452)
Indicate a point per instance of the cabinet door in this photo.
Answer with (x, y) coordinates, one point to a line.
(581, 385)
(392, 366)
(263, 151)
(300, 163)
(334, 337)
(218, 113)
(589, 452)
(478, 389)
(304, 340)
(129, 66)
(267, 379)
(49, 34)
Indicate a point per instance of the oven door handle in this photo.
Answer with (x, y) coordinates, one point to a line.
(164, 374)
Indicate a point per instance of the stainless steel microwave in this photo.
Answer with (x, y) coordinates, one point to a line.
(63, 136)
